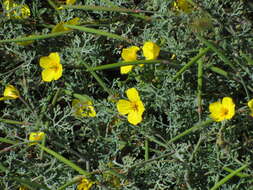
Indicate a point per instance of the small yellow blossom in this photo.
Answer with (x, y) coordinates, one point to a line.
(85, 184)
(10, 92)
(16, 11)
(182, 5)
(150, 50)
(250, 104)
(61, 28)
(222, 110)
(23, 188)
(36, 136)
(128, 54)
(83, 108)
(134, 107)
(52, 68)
(70, 2)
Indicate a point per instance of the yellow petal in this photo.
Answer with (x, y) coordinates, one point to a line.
(45, 62)
(48, 75)
(70, 2)
(36, 136)
(215, 109)
(124, 107)
(134, 118)
(150, 50)
(229, 105)
(10, 92)
(140, 106)
(250, 104)
(132, 94)
(58, 72)
(55, 58)
(130, 54)
(58, 28)
(85, 184)
(73, 21)
(126, 69)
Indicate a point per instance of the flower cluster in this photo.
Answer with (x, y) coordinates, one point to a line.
(16, 11)
(85, 184)
(150, 51)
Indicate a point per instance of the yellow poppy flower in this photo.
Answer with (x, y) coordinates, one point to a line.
(61, 28)
(16, 11)
(250, 104)
(128, 54)
(23, 188)
(85, 184)
(182, 5)
(83, 108)
(70, 2)
(150, 50)
(134, 107)
(10, 92)
(222, 110)
(52, 69)
(36, 136)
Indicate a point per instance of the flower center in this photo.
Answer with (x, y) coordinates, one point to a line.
(224, 111)
(134, 106)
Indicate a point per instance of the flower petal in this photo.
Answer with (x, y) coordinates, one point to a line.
(126, 69)
(140, 106)
(55, 58)
(124, 107)
(228, 104)
(250, 104)
(130, 54)
(150, 50)
(48, 75)
(45, 62)
(133, 94)
(58, 72)
(134, 118)
(215, 109)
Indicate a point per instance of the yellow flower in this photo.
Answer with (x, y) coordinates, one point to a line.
(52, 69)
(23, 188)
(182, 5)
(70, 2)
(61, 28)
(134, 107)
(150, 50)
(10, 92)
(128, 54)
(85, 184)
(222, 110)
(16, 11)
(83, 108)
(36, 136)
(250, 104)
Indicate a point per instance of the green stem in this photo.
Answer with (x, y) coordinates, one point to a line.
(146, 150)
(35, 37)
(125, 63)
(193, 60)
(98, 79)
(228, 177)
(192, 129)
(14, 122)
(239, 174)
(101, 8)
(200, 83)
(64, 160)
